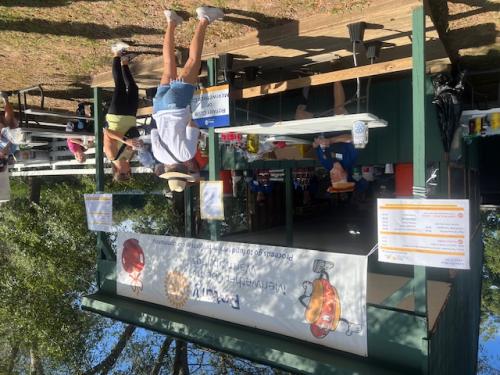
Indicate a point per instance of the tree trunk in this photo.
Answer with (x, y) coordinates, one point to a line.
(35, 187)
(107, 364)
(36, 367)
(161, 356)
(14, 351)
(181, 360)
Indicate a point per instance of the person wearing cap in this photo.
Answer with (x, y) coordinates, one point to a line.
(175, 141)
(121, 137)
(337, 155)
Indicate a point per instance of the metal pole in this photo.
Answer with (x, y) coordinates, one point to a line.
(289, 205)
(104, 251)
(213, 171)
(98, 141)
(213, 149)
(419, 162)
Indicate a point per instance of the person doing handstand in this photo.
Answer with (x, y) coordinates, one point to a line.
(174, 142)
(121, 137)
(336, 154)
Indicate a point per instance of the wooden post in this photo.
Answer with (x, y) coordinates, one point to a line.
(419, 160)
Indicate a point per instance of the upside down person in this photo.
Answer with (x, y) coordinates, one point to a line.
(121, 137)
(336, 154)
(175, 141)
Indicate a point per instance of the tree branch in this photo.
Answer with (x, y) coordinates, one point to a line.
(36, 367)
(180, 363)
(161, 356)
(107, 364)
(14, 351)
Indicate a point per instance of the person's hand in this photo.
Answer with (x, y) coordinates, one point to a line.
(320, 141)
(136, 143)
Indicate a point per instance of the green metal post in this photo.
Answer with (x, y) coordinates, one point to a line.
(188, 212)
(214, 164)
(419, 162)
(289, 206)
(98, 142)
(212, 71)
(213, 147)
(104, 251)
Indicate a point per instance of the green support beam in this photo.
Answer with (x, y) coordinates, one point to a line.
(104, 251)
(214, 159)
(289, 205)
(98, 123)
(188, 212)
(212, 71)
(419, 157)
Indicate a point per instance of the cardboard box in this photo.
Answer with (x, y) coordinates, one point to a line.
(294, 152)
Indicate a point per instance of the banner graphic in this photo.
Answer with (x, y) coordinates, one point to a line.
(314, 296)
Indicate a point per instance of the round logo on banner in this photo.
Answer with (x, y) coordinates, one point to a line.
(177, 289)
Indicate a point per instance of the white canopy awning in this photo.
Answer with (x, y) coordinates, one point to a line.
(308, 126)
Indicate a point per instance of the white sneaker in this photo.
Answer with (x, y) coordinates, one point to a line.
(209, 13)
(171, 16)
(119, 47)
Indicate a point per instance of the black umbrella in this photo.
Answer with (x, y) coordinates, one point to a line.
(448, 99)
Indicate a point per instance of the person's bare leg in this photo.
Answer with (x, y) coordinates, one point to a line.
(339, 97)
(192, 67)
(10, 119)
(169, 65)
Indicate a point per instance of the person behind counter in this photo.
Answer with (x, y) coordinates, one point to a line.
(175, 141)
(337, 155)
(121, 137)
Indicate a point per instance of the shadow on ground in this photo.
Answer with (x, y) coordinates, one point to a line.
(41, 3)
(88, 30)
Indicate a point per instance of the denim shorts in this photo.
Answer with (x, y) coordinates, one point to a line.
(175, 95)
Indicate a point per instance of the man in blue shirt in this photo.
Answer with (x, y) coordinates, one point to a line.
(337, 155)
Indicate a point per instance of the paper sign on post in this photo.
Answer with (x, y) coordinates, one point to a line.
(211, 200)
(210, 107)
(99, 212)
(424, 232)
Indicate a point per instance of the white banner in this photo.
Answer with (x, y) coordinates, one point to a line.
(210, 107)
(425, 232)
(99, 212)
(314, 296)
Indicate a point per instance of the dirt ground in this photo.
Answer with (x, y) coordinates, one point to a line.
(61, 43)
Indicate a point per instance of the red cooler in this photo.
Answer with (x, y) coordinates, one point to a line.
(404, 179)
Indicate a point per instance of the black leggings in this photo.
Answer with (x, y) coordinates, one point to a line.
(125, 99)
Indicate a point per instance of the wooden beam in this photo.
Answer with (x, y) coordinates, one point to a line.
(321, 79)
(388, 67)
